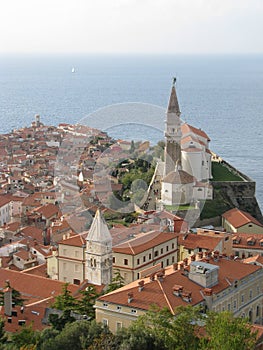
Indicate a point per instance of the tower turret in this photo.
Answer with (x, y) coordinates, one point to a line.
(173, 134)
(99, 252)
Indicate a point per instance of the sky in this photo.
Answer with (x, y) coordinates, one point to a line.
(131, 26)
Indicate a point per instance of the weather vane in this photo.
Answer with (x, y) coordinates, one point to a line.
(174, 80)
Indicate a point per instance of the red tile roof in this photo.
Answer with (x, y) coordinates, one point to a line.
(193, 241)
(239, 218)
(143, 242)
(161, 292)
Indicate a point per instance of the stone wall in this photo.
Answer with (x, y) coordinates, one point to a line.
(240, 194)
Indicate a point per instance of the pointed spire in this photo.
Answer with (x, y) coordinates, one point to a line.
(99, 231)
(173, 106)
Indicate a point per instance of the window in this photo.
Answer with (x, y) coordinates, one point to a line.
(125, 261)
(161, 250)
(235, 305)
(138, 261)
(105, 322)
(138, 276)
(118, 325)
(250, 294)
(250, 225)
(167, 262)
(105, 304)
(144, 259)
(242, 298)
(113, 260)
(189, 251)
(118, 307)
(172, 245)
(257, 311)
(156, 253)
(228, 307)
(133, 311)
(150, 256)
(167, 248)
(172, 259)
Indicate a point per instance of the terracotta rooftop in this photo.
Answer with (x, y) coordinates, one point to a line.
(186, 128)
(143, 242)
(78, 240)
(193, 241)
(161, 292)
(248, 240)
(178, 177)
(48, 210)
(238, 218)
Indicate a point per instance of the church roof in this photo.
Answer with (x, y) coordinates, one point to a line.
(173, 105)
(99, 231)
(178, 177)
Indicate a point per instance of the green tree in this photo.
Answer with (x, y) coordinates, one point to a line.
(16, 295)
(175, 332)
(87, 301)
(136, 338)
(27, 337)
(59, 322)
(65, 301)
(116, 282)
(224, 332)
(3, 336)
(132, 149)
(78, 335)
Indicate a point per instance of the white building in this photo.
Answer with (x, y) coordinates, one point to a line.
(187, 160)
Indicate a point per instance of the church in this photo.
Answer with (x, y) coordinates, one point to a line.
(186, 169)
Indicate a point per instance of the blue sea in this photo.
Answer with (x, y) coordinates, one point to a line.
(127, 96)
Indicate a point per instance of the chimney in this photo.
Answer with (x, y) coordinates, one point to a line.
(152, 277)
(8, 301)
(187, 296)
(200, 255)
(177, 290)
(141, 285)
(130, 297)
(160, 275)
(175, 266)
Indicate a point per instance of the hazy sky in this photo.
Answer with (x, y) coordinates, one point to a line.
(131, 26)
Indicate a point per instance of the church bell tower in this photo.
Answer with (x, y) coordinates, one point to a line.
(173, 134)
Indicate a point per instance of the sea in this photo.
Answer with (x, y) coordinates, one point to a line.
(126, 95)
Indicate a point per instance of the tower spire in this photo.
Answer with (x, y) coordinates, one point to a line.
(173, 105)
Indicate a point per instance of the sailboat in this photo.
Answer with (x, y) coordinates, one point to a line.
(73, 70)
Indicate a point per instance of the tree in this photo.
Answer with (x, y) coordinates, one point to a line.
(224, 332)
(16, 295)
(58, 322)
(116, 282)
(175, 332)
(65, 301)
(3, 336)
(27, 337)
(74, 336)
(86, 303)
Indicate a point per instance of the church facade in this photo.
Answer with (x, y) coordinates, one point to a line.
(187, 160)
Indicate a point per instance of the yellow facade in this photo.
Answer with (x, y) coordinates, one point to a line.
(131, 266)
